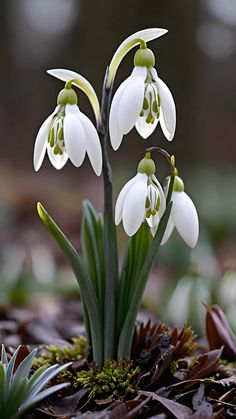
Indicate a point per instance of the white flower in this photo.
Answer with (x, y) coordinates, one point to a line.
(142, 100)
(142, 197)
(183, 216)
(68, 133)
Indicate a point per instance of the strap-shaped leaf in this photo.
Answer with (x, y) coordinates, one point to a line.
(126, 335)
(2, 380)
(135, 254)
(93, 249)
(85, 284)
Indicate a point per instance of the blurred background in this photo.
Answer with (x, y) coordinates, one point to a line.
(197, 60)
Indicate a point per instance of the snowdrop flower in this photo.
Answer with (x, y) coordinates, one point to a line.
(142, 197)
(68, 133)
(142, 100)
(183, 216)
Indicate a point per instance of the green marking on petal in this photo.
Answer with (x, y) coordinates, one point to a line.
(147, 204)
(148, 213)
(141, 113)
(52, 136)
(57, 150)
(145, 104)
(60, 134)
(155, 106)
(158, 203)
(149, 118)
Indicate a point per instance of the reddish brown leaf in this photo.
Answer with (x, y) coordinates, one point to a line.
(206, 364)
(219, 332)
(180, 411)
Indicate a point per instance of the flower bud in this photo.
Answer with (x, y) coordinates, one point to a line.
(144, 57)
(67, 96)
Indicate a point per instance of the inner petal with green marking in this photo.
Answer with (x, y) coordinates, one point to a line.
(56, 133)
(151, 102)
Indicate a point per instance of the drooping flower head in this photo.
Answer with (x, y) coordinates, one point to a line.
(142, 100)
(183, 215)
(141, 198)
(68, 134)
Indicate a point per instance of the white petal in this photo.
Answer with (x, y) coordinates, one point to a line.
(57, 160)
(116, 134)
(134, 205)
(131, 100)
(169, 230)
(144, 129)
(92, 143)
(121, 199)
(185, 218)
(67, 75)
(41, 141)
(74, 136)
(167, 111)
(128, 44)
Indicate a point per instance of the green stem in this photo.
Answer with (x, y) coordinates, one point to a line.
(110, 239)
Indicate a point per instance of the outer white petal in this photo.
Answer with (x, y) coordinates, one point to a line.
(83, 84)
(131, 101)
(41, 141)
(185, 218)
(169, 230)
(121, 199)
(128, 44)
(92, 143)
(116, 134)
(74, 136)
(144, 129)
(167, 111)
(134, 205)
(57, 160)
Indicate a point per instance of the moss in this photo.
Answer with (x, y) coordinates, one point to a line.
(60, 355)
(115, 380)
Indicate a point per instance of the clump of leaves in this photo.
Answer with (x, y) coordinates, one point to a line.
(115, 380)
(19, 391)
(64, 353)
(158, 349)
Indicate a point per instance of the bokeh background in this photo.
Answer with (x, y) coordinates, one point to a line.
(197, 60)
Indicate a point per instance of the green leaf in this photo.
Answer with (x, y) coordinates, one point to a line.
(86, 287)
(2, 381)
(93, 249)
(126, 336)
(44, 377)
(135, 254)
(40, 396)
